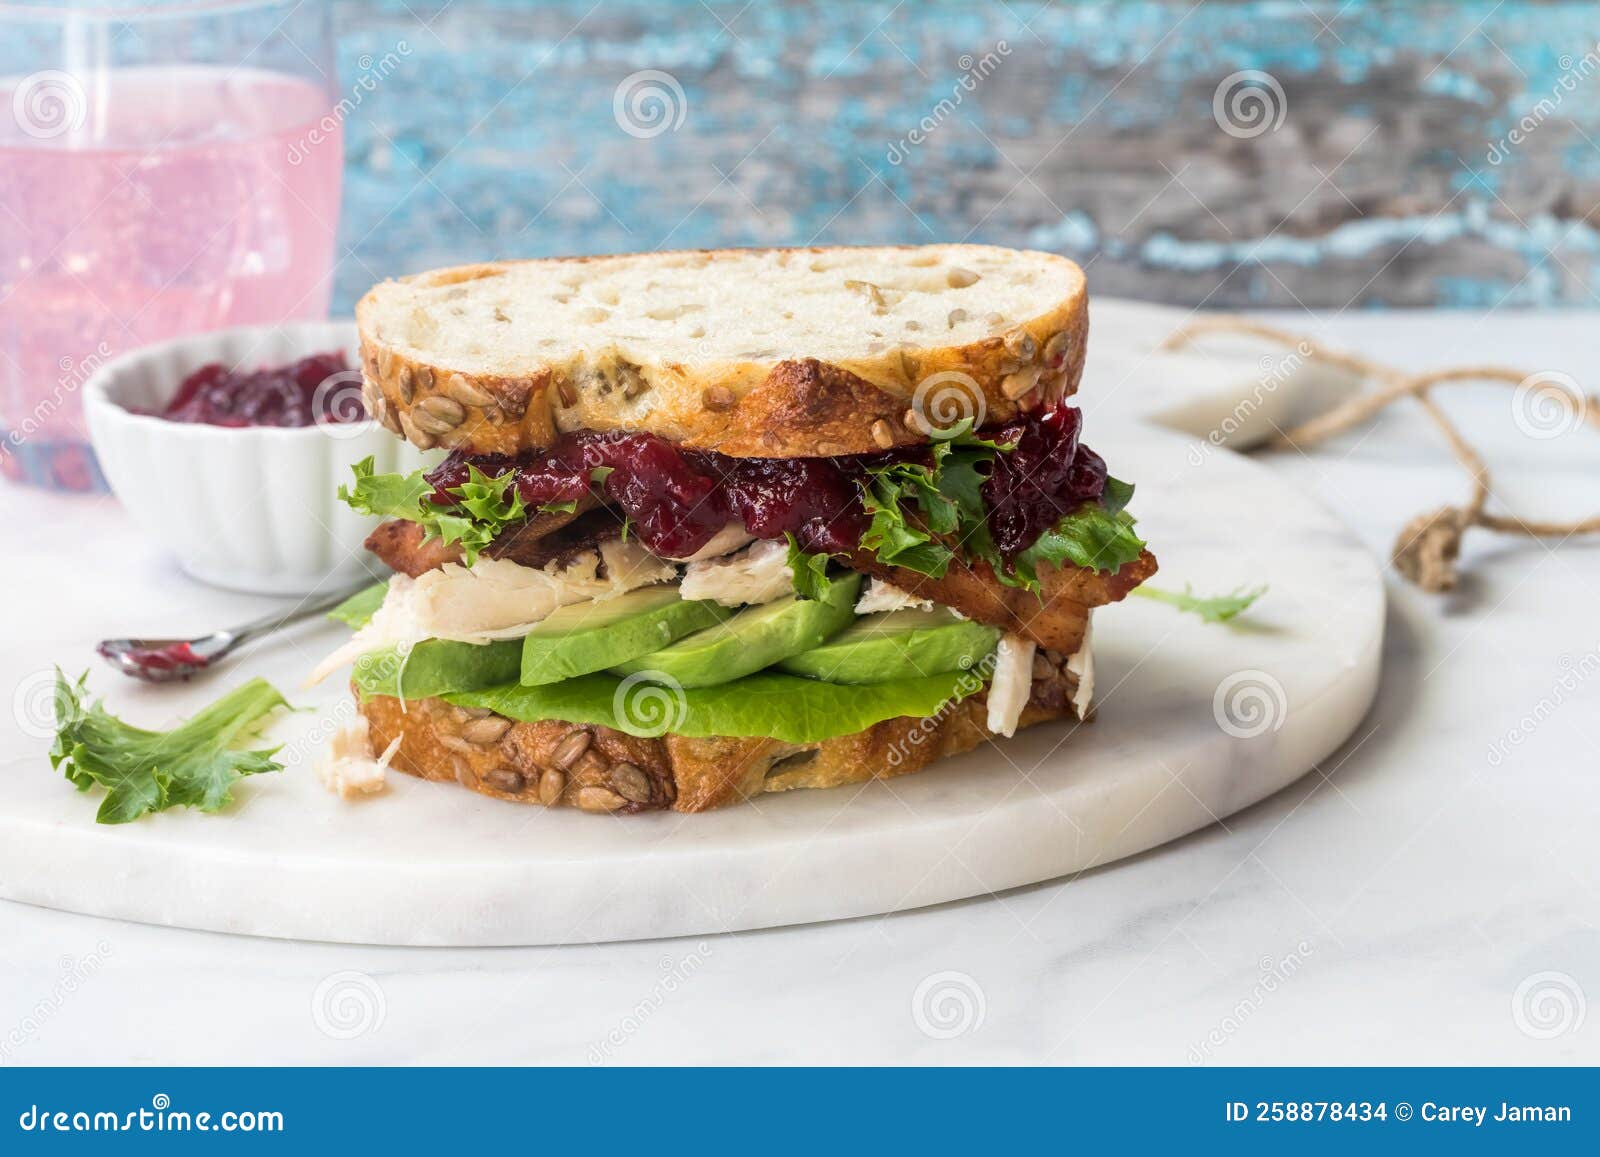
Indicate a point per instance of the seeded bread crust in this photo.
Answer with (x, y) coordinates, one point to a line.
(796, 406)
(598, 769)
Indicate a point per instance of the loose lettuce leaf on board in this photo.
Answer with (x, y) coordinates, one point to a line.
(195, 764)
(1213, 609)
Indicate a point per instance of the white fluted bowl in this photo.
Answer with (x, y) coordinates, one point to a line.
(252, 509)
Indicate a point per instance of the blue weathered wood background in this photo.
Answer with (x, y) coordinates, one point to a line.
(1372, 154)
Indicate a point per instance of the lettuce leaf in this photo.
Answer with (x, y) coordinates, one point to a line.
(1091, 537)
(359, 608)
(767, 704)
(387, 495)
(194, 765)
(894, 538)
(485, 508)
(1116, 496)
(921, 516)
(810, 571)
(946, 498)
(1213, 609)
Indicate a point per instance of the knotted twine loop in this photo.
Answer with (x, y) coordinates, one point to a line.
(1429, 546)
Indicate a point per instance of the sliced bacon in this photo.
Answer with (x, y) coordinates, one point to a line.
(543, 540)
(1054, 617)
(538, 547)
(399, 545)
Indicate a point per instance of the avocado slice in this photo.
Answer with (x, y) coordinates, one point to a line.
(896, 645)
(587, 637)
(754, 638)
(437, 667)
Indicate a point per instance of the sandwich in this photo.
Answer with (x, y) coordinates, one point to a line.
(706, 525)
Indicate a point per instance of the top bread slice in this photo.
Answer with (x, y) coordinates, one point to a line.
(750, 352)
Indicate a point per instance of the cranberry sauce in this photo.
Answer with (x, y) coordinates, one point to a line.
(676, 500)
(1046, 476)
(156, 664)
(271, 396)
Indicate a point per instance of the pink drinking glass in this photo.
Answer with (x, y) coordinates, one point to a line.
(165, 168)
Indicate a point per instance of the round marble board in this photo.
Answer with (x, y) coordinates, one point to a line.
(1229, 389)
(1195, 721)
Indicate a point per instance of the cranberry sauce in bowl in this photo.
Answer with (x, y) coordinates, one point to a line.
(242, 493)
(316, 390)
(677, 499)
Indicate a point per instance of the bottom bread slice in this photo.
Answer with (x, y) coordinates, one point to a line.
(599, 769)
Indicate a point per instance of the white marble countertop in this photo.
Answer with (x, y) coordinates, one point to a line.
(1419, 899)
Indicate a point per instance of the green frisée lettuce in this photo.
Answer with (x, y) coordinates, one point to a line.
(1213, 609)
(486, 506)
(494, 505)
(946, 495)
(921, 516)
(946, 498)
(194, 765)
(1098, 535)
(788, 708)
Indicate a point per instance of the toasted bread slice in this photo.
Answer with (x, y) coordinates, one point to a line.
(750, 352)
(599, 769)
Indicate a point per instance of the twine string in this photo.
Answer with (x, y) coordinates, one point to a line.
(1428, 547)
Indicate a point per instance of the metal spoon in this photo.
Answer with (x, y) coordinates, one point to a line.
(164, 660)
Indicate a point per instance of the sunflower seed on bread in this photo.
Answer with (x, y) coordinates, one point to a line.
(597, 769)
